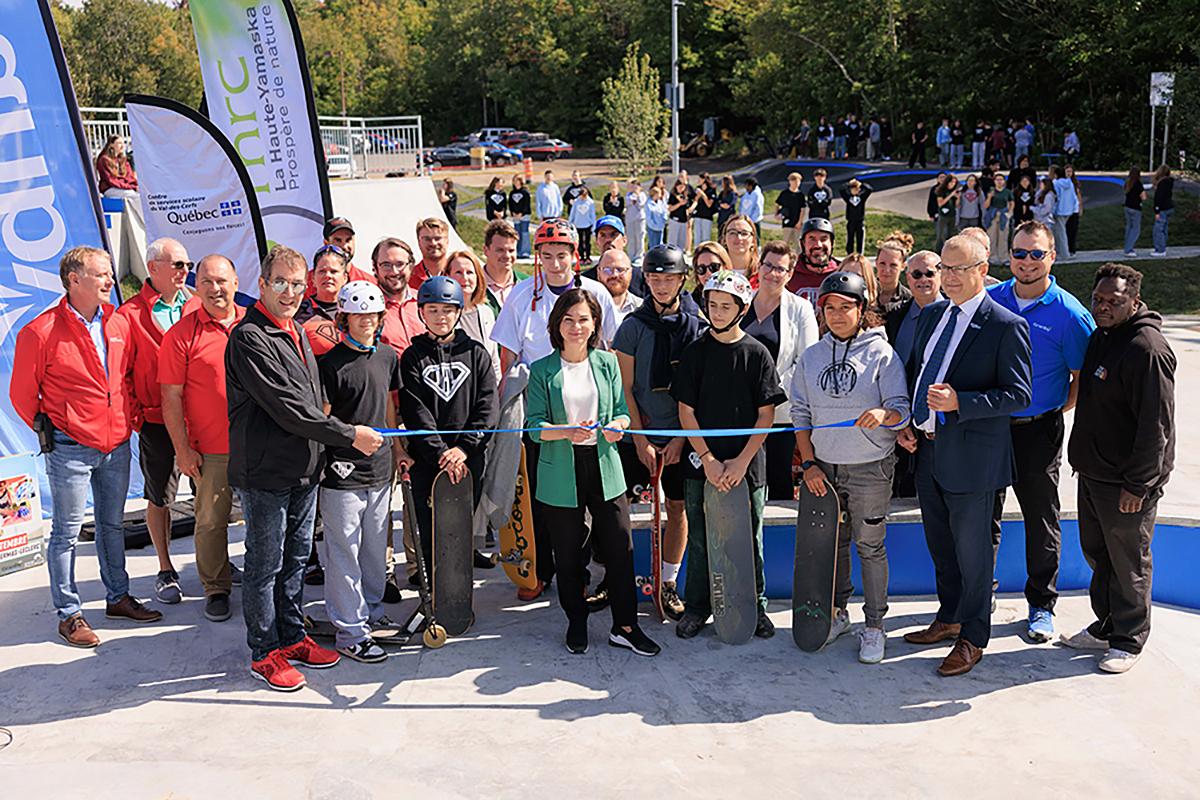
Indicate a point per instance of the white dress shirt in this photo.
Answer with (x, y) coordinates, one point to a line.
(966, 317)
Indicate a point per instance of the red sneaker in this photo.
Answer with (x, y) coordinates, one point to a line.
(308, 653)
(277, 673)
(525, 595)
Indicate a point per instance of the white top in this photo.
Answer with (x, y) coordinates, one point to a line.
(523, 330)
(581, 398)
(632, 303)
(965, 317)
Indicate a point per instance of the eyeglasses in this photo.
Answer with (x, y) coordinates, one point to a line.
(393, 266)
(281, 286)
(1036, 255)
(779, 269)
(703, 268)
(610, 271)
(963, 268)
(918, 274)
(183, 265)
(740, 233)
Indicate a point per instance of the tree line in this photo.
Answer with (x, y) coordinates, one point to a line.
(758, 65)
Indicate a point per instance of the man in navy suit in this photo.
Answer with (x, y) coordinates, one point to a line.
(970, 371)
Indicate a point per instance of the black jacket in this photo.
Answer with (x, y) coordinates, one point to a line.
(447, 387)
(1124, 430)
(277, 421)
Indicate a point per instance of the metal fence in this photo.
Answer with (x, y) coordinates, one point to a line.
(355, 147)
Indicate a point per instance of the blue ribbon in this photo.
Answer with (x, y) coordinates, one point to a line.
(660, 432)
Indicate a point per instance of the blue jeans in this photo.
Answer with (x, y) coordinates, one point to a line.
(279, 532)
(839, 146)
(1133, 228)
(956, 156)
(653, 237)
(522, 226)
(1159, 232)
(72, 468)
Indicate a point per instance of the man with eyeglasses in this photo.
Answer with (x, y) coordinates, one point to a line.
(615, 270)
(610, 235)
(969, 371)
(162, 302)
(277, 431)
(925, 282)
(1059, 329)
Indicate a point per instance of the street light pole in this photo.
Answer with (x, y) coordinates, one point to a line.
(675, 4)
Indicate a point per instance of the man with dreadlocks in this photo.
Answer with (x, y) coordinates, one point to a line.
(522, 334)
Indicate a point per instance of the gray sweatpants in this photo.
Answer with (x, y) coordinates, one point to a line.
(865, 490)
(356, 529)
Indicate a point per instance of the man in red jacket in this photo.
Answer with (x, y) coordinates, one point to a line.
(72, 372)
(162, 302)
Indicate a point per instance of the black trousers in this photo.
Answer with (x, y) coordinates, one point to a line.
(917, 155)
(779, 448)
(1072, 231)
(585, 243)
(1037, 449)
(856, 234)
(422, 476)
(957, 534)
(1117, 547)
(611, 534)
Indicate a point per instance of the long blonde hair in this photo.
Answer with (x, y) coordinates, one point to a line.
(866, 270)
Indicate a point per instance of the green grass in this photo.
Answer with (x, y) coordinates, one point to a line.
(130, 285)
(879, 225)
(1103, 227)
(1168, 286)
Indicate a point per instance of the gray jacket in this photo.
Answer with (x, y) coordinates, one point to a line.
(837, 381)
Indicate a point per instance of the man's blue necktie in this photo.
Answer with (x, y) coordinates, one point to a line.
(932, 367)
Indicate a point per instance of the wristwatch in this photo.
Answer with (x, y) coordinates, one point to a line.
(807, 464)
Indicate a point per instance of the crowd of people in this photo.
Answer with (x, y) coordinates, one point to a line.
(956, 390)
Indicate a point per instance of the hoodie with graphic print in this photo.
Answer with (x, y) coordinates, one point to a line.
(449, 387)
(837, 381)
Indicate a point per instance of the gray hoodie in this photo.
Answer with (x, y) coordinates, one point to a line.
(837, 381)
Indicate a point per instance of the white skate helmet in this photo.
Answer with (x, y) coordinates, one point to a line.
(731, 282)
(360, 297)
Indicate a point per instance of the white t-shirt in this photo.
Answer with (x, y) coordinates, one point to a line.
(580, 396)
(523, 330)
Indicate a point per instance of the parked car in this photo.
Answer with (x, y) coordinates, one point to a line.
(519, 138)
(454, 156)
(489, 134)
(499, 154)
(547, 149)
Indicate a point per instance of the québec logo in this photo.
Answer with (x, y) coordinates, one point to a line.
(231, 208)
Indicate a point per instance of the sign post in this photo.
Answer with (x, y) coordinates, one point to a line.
(1162, 93)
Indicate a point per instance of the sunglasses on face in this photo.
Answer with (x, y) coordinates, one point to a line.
(1036, 255)
(918, 274)
(703, 268)
(186, 266)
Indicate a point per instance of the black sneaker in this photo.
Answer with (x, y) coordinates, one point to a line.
(166, 587)
(598, 601)
(577, 638)
(315, 576)
(671, 602)
(391, 590)
(216, 607)
(414, 580)
(367, 651)
(765, 628)
(634, 640)
(689, 625)
(483, 562)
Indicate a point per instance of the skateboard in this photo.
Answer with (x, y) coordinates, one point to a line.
(731, 562)
(816, 564)
(652, 586)
(517, 553)
(453, 552)
(319, 628)
(434, 635)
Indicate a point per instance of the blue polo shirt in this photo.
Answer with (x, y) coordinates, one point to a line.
(1059, 329)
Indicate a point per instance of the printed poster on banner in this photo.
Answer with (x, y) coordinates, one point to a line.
(258, 93)
(49, 202)
(22, 529)
(194, 188)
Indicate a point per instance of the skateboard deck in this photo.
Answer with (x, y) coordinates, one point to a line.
(816, 563)
(652, 585)
(434, 635)
(453, 550)
(517, 553)
(731, 562)
(319, 628)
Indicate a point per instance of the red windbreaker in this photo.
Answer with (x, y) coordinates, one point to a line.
(145, 339)
(56, 370)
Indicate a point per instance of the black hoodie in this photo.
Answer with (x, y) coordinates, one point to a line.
(1124, 431)
(447, 387)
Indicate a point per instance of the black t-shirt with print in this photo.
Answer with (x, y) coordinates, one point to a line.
(791, 204)
(981, 133)
(518, 202)
(497, 204)
(819, 198)
(703, 210)
(726, 384)
(957, 134)
(358, 387)
(681, 214)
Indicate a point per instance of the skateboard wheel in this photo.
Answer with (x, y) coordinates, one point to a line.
(494, 558)
(647, 588)
(525, 565)
(434, 636)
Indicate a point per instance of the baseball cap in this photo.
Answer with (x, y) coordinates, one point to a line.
(610, 221)
(337, 224)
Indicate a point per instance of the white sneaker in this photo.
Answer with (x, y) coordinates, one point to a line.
(1157, 254)
(870, 645)
(1118, 661)
(1131, 253)
(840, 625)
(1082, 641)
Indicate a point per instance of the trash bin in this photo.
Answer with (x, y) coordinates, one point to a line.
(478, 157)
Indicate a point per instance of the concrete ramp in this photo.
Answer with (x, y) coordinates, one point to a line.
(387, 207)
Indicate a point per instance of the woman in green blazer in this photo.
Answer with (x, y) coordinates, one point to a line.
(571, 392)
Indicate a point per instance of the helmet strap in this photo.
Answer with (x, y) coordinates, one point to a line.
(439, 339)
(370, 348)
(741, 315)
